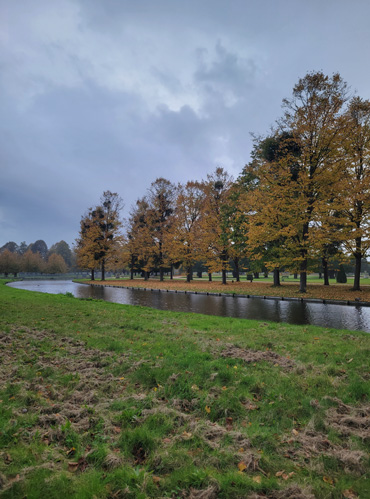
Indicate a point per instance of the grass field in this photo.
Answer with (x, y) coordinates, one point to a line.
(108, 401)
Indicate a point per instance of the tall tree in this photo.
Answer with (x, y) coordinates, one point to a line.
(100, 234)
(216, 232)
(183, 238)
(354, 187)
(313, 121)
(161, 198)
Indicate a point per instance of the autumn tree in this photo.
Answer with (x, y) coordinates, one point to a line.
(161, 202)
(138, 248)
(216, 232)
(313, 122)
(100, 235)
(354, 187)
(56, 264)
(183, 238)
(62, 248)
(32, 262)
(9, 262)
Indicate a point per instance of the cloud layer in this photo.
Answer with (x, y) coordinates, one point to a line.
(111, 95)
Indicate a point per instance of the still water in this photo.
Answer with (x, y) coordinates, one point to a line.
(293, 312)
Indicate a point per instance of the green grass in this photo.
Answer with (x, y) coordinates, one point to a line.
(106, 400)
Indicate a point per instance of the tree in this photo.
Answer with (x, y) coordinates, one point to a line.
(32, 262)
(56, 264)
(100, 235)
(299, 185)
(40, 247)
(139, 249)
(160, 198)
(9, 262)
(183, 238)
(354, 187)
(216, 232)
(62, 249)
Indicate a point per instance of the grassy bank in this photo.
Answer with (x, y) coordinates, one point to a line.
(105, 400)
(257, 288)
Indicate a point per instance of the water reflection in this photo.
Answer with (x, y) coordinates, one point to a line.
(293, 312)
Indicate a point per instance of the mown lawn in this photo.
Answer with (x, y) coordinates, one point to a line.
(105, 400)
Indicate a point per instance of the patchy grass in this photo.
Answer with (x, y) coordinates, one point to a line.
(106, 400)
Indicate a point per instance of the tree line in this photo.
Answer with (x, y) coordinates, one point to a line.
(301, 203)
(35, 257)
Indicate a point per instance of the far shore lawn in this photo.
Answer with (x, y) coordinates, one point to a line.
(102, 400)
(257, 288)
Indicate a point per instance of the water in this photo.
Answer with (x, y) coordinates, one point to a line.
(293, 312)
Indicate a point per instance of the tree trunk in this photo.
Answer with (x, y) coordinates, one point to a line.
(237, 270)
(256, 275)
(356, 281)
(325, 270)
(93, 275)
(103, 270)
(295, 275)
(210, 276)
(189, 272)
(171, 272)
(161, 274)
(223, 276)
(276, 276)
(132, 274)
(146, 275)
(303, 274)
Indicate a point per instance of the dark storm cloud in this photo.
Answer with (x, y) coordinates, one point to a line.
(111, 95)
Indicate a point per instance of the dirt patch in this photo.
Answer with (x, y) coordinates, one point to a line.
(251, 356)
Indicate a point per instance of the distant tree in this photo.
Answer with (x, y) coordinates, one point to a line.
(56, 264)
(11, 246)
(9, 263)
(32, 262)
(40, 246)
(62, 249)
(22, 248)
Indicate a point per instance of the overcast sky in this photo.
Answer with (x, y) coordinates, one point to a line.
(102, 95)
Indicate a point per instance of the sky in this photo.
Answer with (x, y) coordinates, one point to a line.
(100, 95)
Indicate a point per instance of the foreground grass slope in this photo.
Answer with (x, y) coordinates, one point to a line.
(109, 401)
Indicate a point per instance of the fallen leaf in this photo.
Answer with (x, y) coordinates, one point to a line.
(295, 432)
(349, 494)
(350, 360)
(242, 466)
(328, 480)
(208, 409)
(257, 479)
(286, 476)
(187, 435)
(156, 479)
(279, 473)
(72, 467)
